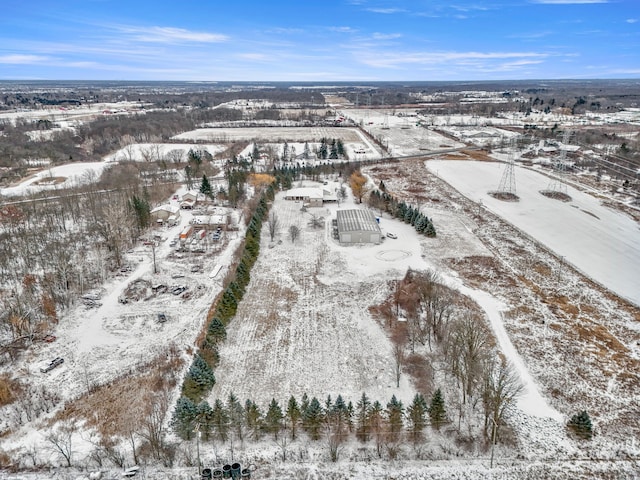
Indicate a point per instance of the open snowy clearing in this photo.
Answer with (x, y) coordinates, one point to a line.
(401, 134)
(154, 152)
(272, 134)
(65, 114)
(304, 325)
(61, 176)
(602, 243)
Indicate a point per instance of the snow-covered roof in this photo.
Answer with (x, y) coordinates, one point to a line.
(357, 220)
(330, 196)
(167, 207)
(190, 193)
(305, 192)
(570, 148)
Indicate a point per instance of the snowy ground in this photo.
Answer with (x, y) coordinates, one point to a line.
(63, 115)
(401, 134)
(106, 342)
(62, 176)
(271, 134)
(139, 152)
(601, 242)
(304, 322)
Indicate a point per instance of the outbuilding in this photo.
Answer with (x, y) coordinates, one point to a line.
(358, 226)
(164, 213)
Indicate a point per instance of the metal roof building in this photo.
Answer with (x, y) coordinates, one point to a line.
(358, 226)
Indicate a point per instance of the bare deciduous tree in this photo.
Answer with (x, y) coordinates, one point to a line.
(316, 221)
(152, 424)
(294, 233)
(502, 386)
(61, 441)
(467, 351)
(274, 225)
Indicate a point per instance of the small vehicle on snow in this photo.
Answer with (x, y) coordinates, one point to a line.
(53, 364)
(391, 235)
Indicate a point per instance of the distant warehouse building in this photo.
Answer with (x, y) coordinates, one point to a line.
(358, 226)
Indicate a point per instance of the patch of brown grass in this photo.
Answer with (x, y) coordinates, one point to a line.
(117, 408)
(599, 336)
(8, 390)
(419, 369)
(563, 303)
(480, 155)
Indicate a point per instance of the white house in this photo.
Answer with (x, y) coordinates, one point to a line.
(165, 213)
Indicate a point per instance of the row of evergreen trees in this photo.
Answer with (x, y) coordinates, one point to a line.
(366, 420)
(402, 211)
(200, 377)
(332, 149)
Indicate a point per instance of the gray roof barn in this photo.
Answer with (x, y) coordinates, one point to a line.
(358, 226)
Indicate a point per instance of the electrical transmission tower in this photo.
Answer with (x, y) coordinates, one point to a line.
(507, 188)
(557, 187)
(507, 185)
(385, 122)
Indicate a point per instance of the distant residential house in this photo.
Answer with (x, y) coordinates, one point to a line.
(309, 196)
(165, 213)
(188, 200)
(189, 196)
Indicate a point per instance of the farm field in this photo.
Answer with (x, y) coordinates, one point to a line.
(271, 134)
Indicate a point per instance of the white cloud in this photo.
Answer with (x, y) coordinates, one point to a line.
(531, 36)
(342, 29)
(259, 57)
(171, 35)
(632, 20)
(285, 31)
(386, 36)
(386, 11)
(396, 59)
(19, 59)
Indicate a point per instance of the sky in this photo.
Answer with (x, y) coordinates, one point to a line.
(319, 40)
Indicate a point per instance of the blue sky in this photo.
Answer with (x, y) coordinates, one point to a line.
(319, 40)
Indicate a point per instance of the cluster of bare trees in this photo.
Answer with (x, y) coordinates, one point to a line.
(451, 331)
(54, 250)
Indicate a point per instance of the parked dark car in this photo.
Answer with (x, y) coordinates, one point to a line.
(54, 363)
(162, 318)
(178, 290)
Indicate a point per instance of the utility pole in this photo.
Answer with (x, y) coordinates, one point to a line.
(153, 253)
(493, 439)
(197, 430)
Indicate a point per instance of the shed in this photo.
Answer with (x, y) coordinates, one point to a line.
(358, 226)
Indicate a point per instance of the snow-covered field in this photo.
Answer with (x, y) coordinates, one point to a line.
(63, 115)
(401, 134)
(61, 176)
(271, 134)
(601, 242)
(154, 152)
(304, 324)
